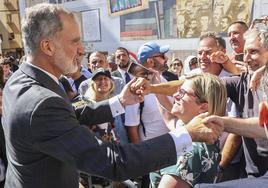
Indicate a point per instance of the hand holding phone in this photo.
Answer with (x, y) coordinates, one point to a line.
(239, 57)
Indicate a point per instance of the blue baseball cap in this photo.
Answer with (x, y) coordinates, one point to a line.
(149, 49)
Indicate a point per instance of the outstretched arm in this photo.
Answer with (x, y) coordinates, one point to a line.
(161, 90)
(167, 88)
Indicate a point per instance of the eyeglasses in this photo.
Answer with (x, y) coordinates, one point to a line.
(176, 64)
(160, 55)
(181, 92)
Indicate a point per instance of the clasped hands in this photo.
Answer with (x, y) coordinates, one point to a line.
(134, 91)
(200, 128)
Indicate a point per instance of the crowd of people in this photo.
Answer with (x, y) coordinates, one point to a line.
(181, 124)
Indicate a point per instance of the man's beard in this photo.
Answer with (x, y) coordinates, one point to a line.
(160, 67)
(123, 66)
(66, 67)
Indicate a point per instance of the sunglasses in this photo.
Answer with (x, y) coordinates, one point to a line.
(160, 55)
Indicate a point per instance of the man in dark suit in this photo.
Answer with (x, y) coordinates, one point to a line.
(46, 145)
(122, 60)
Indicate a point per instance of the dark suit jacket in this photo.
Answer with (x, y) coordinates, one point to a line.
(169, 76)
(116, 73)
(46, 145)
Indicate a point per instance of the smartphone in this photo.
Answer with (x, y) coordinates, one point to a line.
(138, 70)
(239, 57)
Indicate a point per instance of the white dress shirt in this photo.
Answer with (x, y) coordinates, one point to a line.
(180, 135)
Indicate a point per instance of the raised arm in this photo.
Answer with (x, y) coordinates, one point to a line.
(221, 58)
(162, 91)
(168, 88)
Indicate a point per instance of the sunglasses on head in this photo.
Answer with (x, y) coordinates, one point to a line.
(260, 23)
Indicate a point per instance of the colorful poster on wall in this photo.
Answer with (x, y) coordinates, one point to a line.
(197, 17)
(156, 22)
(139, 25)
(167, 19)
(121, 7)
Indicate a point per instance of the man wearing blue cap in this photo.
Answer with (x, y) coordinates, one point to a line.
(151, 55)
(152, 51)
(144, 120)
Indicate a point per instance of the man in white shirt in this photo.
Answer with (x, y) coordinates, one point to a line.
(144, 121)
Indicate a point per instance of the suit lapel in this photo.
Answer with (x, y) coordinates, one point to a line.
(42, 78)
(117, 74)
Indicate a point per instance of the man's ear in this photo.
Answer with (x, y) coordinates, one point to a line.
(203, 107)
(47, 47)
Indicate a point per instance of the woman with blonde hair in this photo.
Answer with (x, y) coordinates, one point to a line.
(198, 93)
(101, 87)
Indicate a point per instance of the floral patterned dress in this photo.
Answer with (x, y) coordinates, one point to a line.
(198, 166)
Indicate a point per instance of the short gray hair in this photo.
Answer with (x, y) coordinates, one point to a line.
(262, 33)
(41, 21)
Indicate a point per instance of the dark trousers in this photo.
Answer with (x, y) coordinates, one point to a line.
(145, 183)
(240, 183)
(234, 171)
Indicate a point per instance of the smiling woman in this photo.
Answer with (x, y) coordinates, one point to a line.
(198, 94)
(101, 87)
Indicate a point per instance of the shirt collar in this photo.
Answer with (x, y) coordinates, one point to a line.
(121, 71)
(49, 74)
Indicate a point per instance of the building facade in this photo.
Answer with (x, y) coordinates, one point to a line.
(10, 28)
(104, 32)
